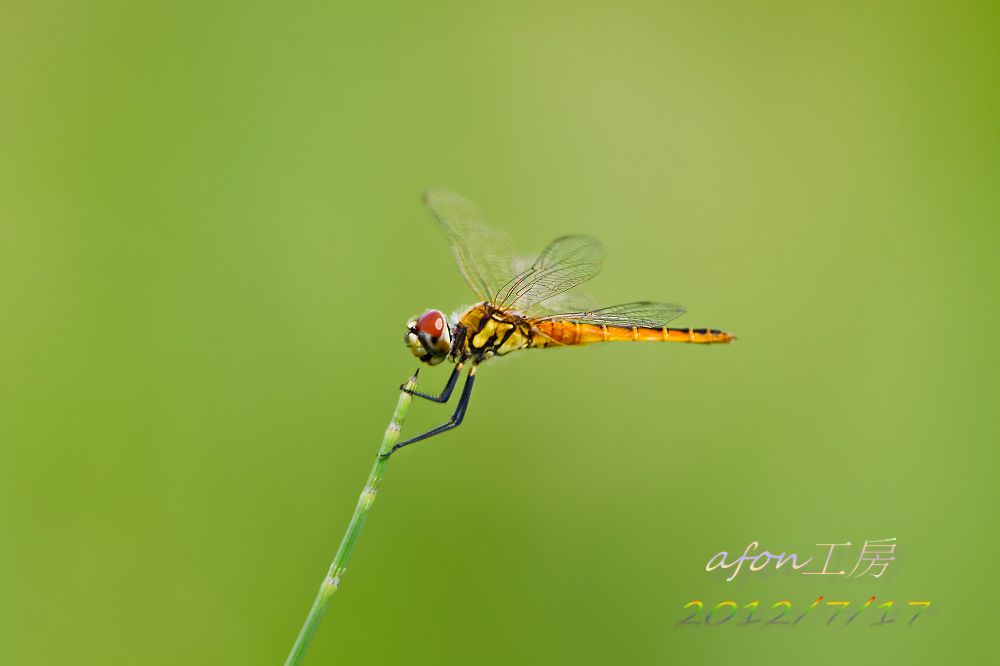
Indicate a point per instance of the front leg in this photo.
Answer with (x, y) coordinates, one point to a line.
(445, 394)
(453, 422)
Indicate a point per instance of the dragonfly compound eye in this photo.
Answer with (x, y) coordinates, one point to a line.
(432, 323)
(429, 337)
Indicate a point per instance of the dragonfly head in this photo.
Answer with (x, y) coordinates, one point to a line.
(429, 337)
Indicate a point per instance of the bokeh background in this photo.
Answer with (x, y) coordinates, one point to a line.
(211, 237)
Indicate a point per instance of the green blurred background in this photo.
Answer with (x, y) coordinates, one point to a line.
(211, 238)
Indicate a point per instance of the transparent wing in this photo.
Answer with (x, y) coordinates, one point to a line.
(484, 254)
(641, 313)
(567, 262)
(572, 301)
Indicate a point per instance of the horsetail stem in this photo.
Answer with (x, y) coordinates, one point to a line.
(332, 580)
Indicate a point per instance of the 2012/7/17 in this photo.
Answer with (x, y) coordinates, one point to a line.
(751, 607)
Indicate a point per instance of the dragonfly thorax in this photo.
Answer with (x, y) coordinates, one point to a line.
(429, 337)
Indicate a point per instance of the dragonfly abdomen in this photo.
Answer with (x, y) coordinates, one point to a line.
(577, 333)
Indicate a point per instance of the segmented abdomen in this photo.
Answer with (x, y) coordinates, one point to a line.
(574, 333)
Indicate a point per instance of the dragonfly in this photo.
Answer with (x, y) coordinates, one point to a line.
(523, 304)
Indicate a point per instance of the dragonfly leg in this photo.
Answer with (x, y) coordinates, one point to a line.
(453, 422)
(445, 394)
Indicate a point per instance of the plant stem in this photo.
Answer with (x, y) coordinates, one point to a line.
(339, 565)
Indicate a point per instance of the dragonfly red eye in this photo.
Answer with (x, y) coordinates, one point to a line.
(431, 323)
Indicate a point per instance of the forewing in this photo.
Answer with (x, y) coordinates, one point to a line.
(644, 314)
(484, 254)
(567, 262)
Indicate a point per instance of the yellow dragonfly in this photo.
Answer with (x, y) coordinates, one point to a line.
(524, 304)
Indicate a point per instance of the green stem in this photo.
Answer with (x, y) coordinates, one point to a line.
(339, 566)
